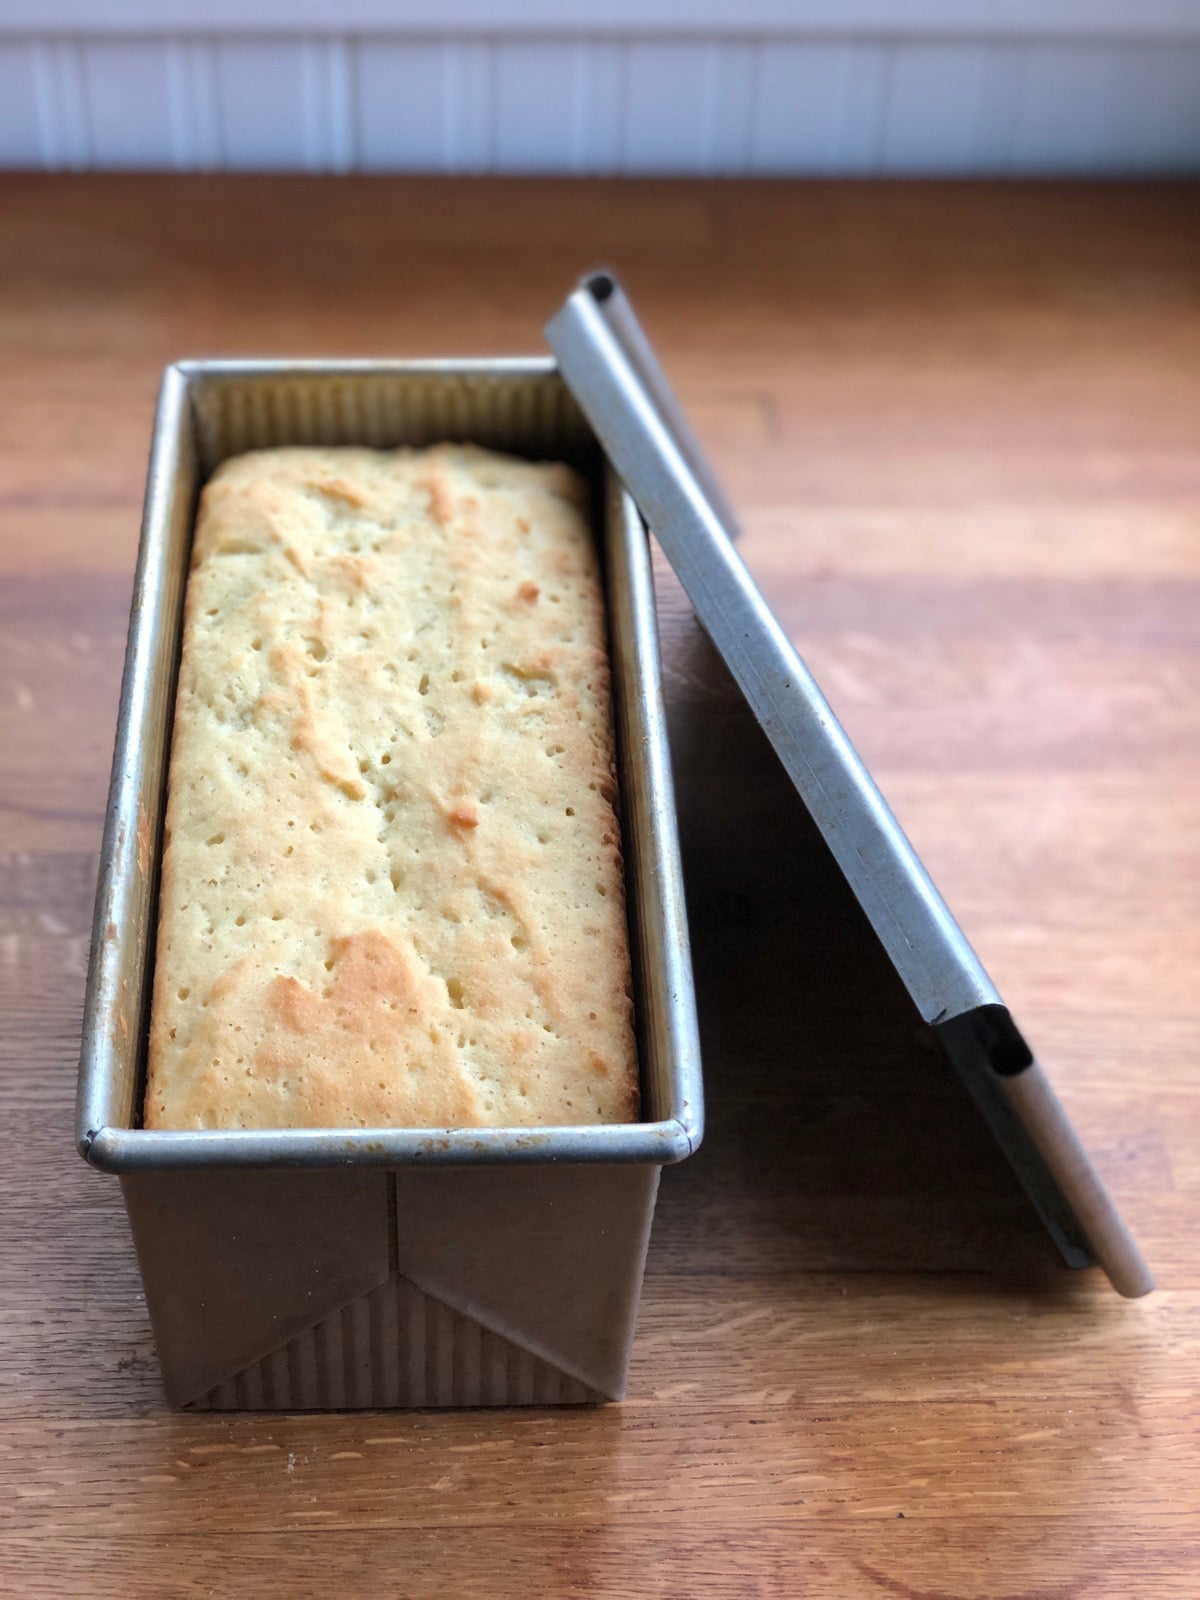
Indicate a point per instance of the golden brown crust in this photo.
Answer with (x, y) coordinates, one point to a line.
(392, 890)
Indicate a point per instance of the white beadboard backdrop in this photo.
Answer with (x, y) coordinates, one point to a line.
(641, 86)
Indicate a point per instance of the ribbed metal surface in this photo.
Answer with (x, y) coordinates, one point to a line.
(528, 412)
(395, 1347)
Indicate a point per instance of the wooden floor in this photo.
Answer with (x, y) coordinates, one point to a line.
(963, 426)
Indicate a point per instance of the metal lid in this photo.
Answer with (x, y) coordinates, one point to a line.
(609, 365)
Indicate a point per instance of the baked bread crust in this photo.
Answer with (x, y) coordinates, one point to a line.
(391, 890)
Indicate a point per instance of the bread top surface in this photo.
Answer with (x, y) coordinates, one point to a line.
(391, 890)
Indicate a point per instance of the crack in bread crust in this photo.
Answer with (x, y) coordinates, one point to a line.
(392, 892)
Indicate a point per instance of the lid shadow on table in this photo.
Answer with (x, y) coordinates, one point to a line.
(840, 1139)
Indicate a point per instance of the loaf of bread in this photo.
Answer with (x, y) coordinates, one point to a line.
(392, 890)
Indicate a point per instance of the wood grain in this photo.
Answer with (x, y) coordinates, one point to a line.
(960, 423)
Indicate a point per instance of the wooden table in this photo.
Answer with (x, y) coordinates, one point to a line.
(962, 426)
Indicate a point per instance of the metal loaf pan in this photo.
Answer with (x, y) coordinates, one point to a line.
(319, 1269)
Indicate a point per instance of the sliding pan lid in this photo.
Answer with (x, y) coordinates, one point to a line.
(610, 367)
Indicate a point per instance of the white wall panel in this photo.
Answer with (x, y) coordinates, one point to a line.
(599, 129)
(468, 105)
(995, 19)
(20, 130)
(536, 85)
(327, 91)
(797, 114)
(937, 108)
(261, 108)
(400, 105)
(668, 103)
(1162, 90)
(61, 103)
(775, 101)
(862, 108)
(1066, 98)
(729, 115)
(127, 101)
(191, 66)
